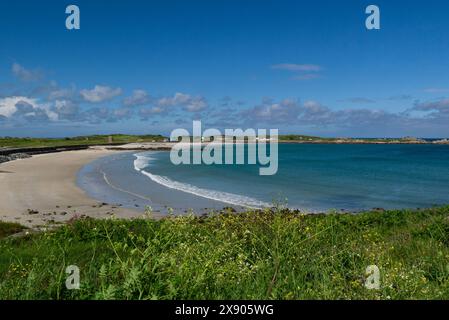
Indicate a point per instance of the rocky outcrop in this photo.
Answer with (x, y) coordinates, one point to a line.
(13, 156)
(443, 141)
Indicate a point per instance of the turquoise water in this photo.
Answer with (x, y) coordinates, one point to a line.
(312, 177)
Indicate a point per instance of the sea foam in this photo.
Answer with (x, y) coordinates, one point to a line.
(142, 161)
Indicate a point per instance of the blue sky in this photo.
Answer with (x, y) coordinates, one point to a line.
(152, 66)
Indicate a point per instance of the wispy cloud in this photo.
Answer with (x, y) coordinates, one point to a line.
(442, 106)
(302, 71)
(62, 93)
(436, 90)
(359, 100)
(400, 97)
(297, 67)
(24, 74)
(138, 98)
(186, 101)
(100, 94)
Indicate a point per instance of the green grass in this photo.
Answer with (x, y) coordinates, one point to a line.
(255, 255)
(9, 228)
(11, 142)
(297, 137)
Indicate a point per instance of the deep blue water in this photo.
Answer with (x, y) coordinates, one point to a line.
(313, 177)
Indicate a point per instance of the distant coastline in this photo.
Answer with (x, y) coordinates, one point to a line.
(13, 148)
(20, 148)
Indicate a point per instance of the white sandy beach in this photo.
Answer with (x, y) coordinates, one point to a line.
(46, 185)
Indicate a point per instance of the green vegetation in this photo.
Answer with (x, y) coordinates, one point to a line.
(256, 255)
(9, 228)
(10, 142)
(297, 137)
(303, 138)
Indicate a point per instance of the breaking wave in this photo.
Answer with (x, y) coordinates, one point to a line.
(142, 161)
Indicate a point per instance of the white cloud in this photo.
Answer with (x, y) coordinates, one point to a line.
(67, 110)
(138, 98)
(196, 105)
(441, 106)
(189, 103)
(61, 93)
(100, 93)
(29, 107)
(285, 111)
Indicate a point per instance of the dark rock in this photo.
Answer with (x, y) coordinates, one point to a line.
(13, 156)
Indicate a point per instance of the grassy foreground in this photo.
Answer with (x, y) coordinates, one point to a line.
(256, 255)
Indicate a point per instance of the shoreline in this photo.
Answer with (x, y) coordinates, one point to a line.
(115, 178)
(42, 190)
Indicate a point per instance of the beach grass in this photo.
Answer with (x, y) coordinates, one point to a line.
(272, 254)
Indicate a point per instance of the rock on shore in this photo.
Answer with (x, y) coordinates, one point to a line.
(13, 156)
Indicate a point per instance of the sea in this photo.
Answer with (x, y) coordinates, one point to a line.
(310, 177)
